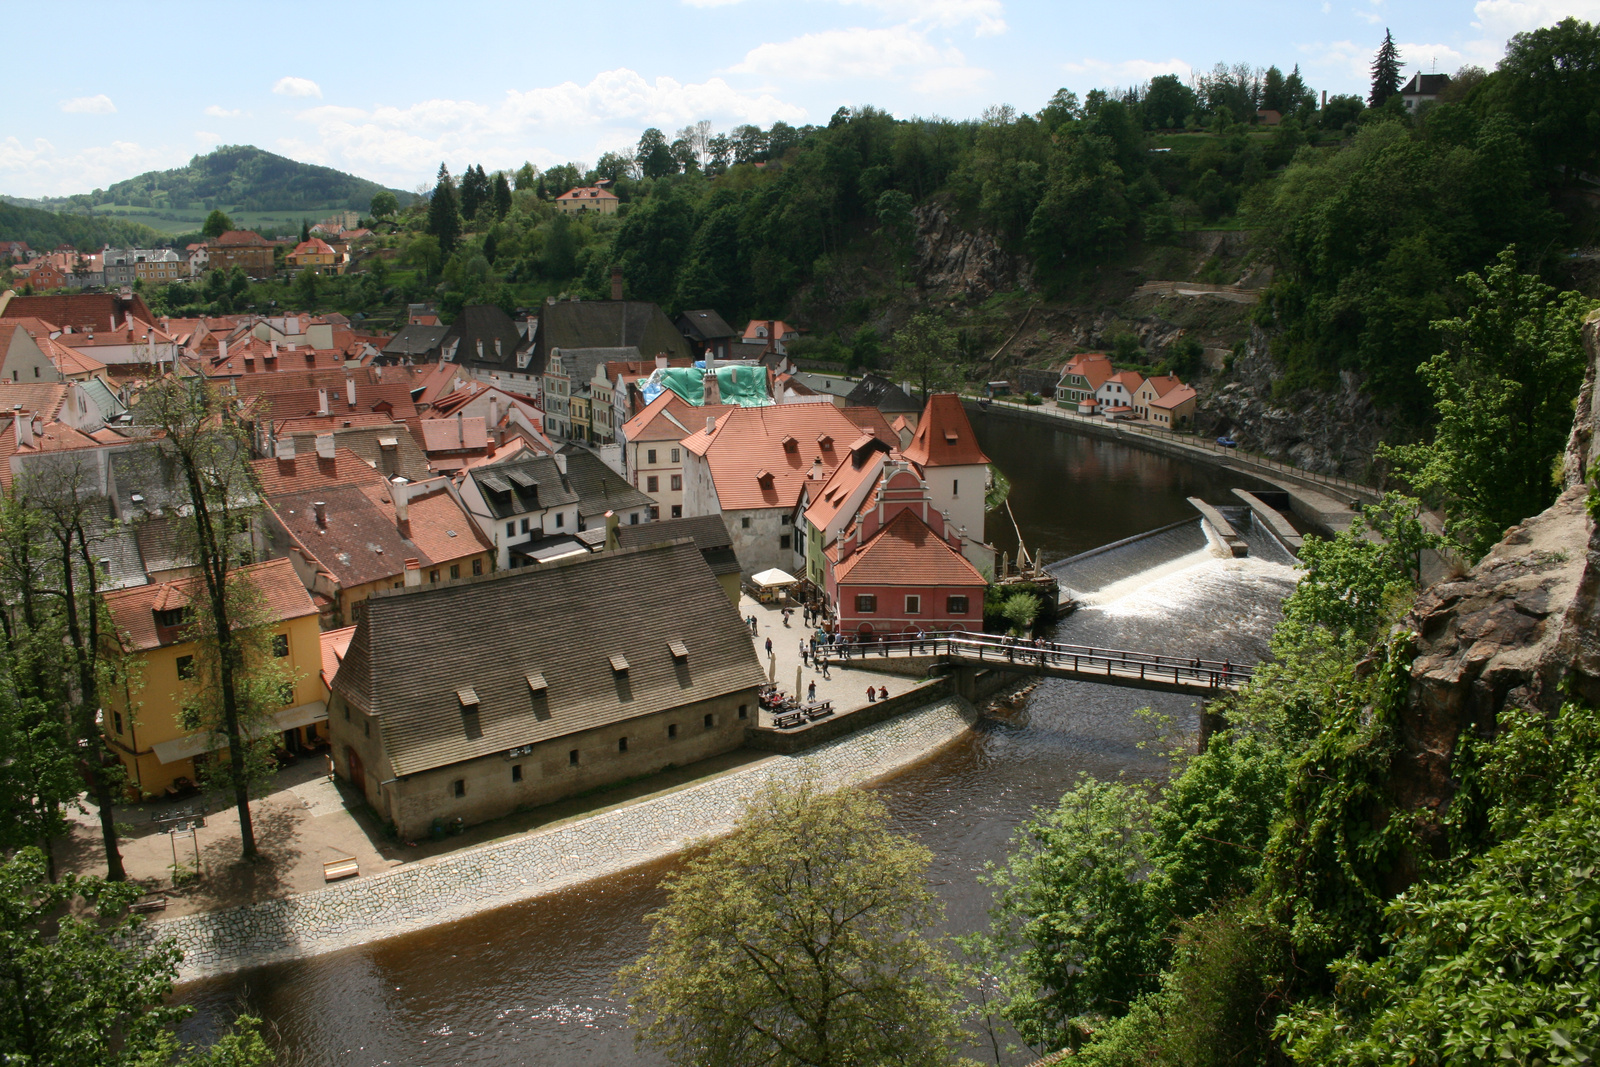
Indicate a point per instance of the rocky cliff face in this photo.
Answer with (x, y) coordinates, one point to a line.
(1330, 433)
(1521, 628)
(961, 263)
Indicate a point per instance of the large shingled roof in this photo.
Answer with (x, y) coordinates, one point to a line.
(563, 624)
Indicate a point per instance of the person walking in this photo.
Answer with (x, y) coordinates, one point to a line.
(769, 646)
(827, 676)
(811, 691)
(805, 654)
(872, 694)
(883, 692)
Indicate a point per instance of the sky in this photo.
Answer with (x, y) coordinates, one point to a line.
(389, 91)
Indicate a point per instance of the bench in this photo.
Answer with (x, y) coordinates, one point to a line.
(785, 722)
(148, 904)
(333, 870)
(819, 710)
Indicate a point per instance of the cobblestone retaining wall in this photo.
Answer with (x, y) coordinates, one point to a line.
(452, 887)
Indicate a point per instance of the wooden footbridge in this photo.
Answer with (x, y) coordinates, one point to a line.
(1109, 666)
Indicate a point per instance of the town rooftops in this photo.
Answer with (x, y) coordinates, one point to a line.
(80, 311)
(241, 239)
(459, 434)
(1427, 85)
(762, 457)
(601, 489)
(1164, 383)
(306, 471)
(1093, 367)
(638, 324)
(907, 552)
(133, 611)
(944, 436)
(417, 342)
(669, 417)
(315, 246)
(706, 325)
(876, 391)
(569, 623)
(523, 486)
(1174, 397)
(709, 533)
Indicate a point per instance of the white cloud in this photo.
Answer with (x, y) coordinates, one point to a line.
(1502, 18)
(1130, 71)
(218, 112)
(400, 143)
(853, 53)
(99, 104)
(1371, 18)
(39, 169)
(297, 87)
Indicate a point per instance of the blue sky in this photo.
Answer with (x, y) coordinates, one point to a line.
(387, 91)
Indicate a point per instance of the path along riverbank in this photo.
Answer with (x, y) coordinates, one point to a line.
(451, 887)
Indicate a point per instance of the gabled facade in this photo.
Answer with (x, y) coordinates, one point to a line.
(586, 199)
(1116, 394)
(1081, 380)
(519, 505)
(945, 451)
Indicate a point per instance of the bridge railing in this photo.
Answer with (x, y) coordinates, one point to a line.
(1082, 659)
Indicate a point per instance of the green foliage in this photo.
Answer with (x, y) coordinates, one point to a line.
(1385, 72)
(444, 218)
(1503, 389)
(1548, 83)
(1351, 583)
(384, 205)
(248, 179)
(217, 223)
(923, 348)
(46, 229)
(798, 940)
(1020, 609)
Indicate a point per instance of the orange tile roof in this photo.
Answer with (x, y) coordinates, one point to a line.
(329, 423)
(40, 398)
(334, 645)
(750, 463)
(133, 609)
(845, 480)
(1164, 384)
(308, 471)
(1173, 398)
(944, 436)
(872, 421)
(1128, 379)
(907, 552)
(454, 435)
(433, 518)
(587, 192)
(669, 417)
(1094, 366)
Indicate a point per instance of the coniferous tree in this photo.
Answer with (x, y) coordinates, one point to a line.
(475, 192)
(1385, 72)
(444, 223)
(502, 196)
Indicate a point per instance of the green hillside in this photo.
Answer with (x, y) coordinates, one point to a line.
(44, 230)
(256, 188)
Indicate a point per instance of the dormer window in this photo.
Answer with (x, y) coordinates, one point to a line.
(172, 617)
(467, 697)
(765, 478)
(679, 650)
(790, 444)
(619, 662)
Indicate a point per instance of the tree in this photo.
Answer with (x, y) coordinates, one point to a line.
(305, 230)
(305, 288)
(209, 452)
(1385, 72)
(798, 940)
(1168, 102)
(216, 224)
(560, 258)
(1274, 96)
(1549, 83)
(897, 225)
(922, 349)
(654, 155)
(1020, 609)
(1503, 389)
(501, 196)
(444, 222)
(527, 177)
(476, 192)
(384, 205)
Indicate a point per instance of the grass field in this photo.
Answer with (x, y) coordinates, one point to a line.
(189, 220)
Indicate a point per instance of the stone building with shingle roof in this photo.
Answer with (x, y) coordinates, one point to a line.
(472, 699)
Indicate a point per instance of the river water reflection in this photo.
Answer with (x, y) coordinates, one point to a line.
(529, 984)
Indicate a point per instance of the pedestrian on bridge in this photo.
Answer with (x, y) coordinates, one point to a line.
(872, 694)
(883, 692)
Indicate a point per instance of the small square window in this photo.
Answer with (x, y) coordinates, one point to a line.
(744, 523)
(455, 570)
(280, 645)
(956, 605)
(516, 772)
(650, 455)
(913, 605)
(676, 483)
(783, 540)
(674, 455)
(744, 711)
(511, 529)
(672, 729)
(186, 667)
(866, 603)
(652, 484)
(622, 744)
(459, 787)
(677, 511)
(477, 566)
(433, 576)
(524, 525)
(572, 758)
(711, 721)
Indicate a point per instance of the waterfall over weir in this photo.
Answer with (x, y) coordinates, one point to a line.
(1167, 592)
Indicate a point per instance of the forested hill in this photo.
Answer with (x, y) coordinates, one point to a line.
(44, 230)
(240, 178)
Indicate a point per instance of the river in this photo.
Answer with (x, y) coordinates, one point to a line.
(530, 983)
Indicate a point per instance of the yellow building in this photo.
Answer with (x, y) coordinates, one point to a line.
(150, 740)
(315, 253)
(160, 267)
(587, 198)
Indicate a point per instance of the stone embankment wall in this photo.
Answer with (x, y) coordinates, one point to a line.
(452, 887)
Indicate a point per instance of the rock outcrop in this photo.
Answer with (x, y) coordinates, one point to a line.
(1522, 628)
(1333, 432)
(962, 263)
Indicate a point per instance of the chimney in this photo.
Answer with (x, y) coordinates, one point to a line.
(285, 448)
(611, 531)
(325, 446)
(711, 425)
(321, 508)
(322, 402)
(713, 394)
(661, 361)
(1324, 99)
(113, 322)
(222, 349)
(350, 391)
(494, 411)
(274, 348)
(561, 462)
(616, 283)
(817, 472)
(24, 426)
(461, 431)
(413, 573)
(402, 506)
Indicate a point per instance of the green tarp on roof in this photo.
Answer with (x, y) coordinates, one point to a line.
(744, 386)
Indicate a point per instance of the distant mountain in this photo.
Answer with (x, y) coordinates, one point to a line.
(44, 230)
(235, 178)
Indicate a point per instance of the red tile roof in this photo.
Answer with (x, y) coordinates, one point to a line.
(749, 443)
(92, 311)
(241, 238)
(454, 435)
(944, 436)
(907, 552)
(334, 645)
(1094, 366)
(316, 246)
(669, 417)
(308, 471)
(329, 423)
(441, 531)
(831, 495)
(587, 192)
(872, 421)
(133, 610)
(1164, 383)
(1128, 379)
(1171, 399)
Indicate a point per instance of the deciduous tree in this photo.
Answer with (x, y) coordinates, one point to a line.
(798, 940)
(216, 224)
(922, 351)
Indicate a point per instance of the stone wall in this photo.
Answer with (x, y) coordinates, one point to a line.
(451, 887)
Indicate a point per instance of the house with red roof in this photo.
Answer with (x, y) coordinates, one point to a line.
(587, 198)
(245, 249)
(773, 335)
(1081, 380)
(901, 566)
(944, 449)
(750, 465)
(1116, 394)
(652, 447)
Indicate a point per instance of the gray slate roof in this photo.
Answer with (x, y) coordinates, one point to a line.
(705, 325)
(572, 324)
(522, 486)
(413, 650)
(416, 342)
(876, 391)
(709, 533)
(600, 489)
(487, 323)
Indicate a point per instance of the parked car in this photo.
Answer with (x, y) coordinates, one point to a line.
(1227, 442)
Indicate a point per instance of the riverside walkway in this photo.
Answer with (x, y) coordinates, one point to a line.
(1110, 666)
